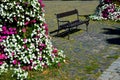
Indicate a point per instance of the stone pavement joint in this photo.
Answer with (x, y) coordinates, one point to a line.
(113, 72)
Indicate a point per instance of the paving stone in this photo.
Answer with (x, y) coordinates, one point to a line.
(111, 72)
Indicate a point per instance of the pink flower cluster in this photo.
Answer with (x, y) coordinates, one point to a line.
(46, 28)
(41, 46)
(6, 32)
(108, 10)
(41, 3)
(30, 22)
(55, 51)
(2, 58)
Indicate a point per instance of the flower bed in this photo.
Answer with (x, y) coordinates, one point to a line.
(24, 40)
(107, 10)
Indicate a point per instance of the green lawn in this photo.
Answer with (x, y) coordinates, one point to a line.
(87, 54)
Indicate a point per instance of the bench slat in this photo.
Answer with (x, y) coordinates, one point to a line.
(68, 13)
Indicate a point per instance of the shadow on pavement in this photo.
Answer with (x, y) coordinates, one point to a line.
(114, 41)
(66, 33)
(110, 31)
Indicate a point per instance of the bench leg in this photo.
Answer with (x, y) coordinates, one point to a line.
(87, 26)
(57, 32)
(68, 33)
(76, 27)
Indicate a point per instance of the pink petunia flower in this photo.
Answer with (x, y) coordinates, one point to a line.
(40, 58)
(27, 67)
(14, 29)
(18, 62)
(40, 1)
(42, 45)
(59, 64)
(14, 62)
(17, 3)
(37, 37)
(1, 40)
(2, 56)
(15, 19)
(45, 25)
(33, 21)
(46, 28)
(3, 37)
(24, 30)
(41, 4)
(10, 29)
(55, 50)
(12, 53)
(4, 28)
(31, 61)
(26, 23)
(1, 62)
(25, 46)
(40, 49)
(24, 39)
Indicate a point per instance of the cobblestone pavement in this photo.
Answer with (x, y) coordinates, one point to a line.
(112, 73)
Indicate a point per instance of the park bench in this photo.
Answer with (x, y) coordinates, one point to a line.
(66, 24)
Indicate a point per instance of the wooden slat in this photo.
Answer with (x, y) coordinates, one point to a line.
(68, 13)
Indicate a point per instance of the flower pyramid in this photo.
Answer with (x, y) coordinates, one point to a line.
(107, 10)
(24, 40)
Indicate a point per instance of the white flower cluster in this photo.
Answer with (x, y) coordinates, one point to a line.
(114, 16)
(0, 27)
(3, 68)
(18, 11)
(21, 74)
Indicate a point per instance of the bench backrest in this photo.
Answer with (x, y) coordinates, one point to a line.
(68, 13)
